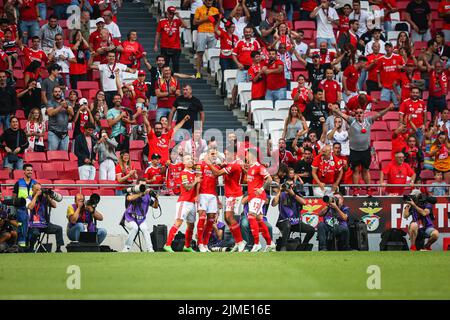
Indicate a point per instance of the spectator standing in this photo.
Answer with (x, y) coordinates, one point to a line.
(418, 15)
(85, 26)
(60, 8)
(226, 6)
(83, 115)
(14, 142)
(303, 168)
(205, 18)
(438, 188)
(50, 83)
(155, 173)
(168, 32)
(243, 60)
(300, 46)
(131, 51)
(444, 13)
(363, 16)
(118, 119)
(254, 8)
(112, 27)
(440, 151)
(228, 41)
(84, 150)
(301, 95)
(350, 78)
(78, 68)
(29, 19)
(107, 158)
(58, 111)
(48, 32)
(34, 53)
(316, 69)
(62, 56)
(372, 68)
(30, 97)
(105, 44)
(270, 25)
(294, 125)
(155, 74)
(95, 36)
(316, 112)
(339, 134)
(331, 88)
(325, 16)
(376, 38)
(8, 101)
(389, 67)
(326, 171)
(438, 89)
(167, 89)
(397, 172)
(99, 105)
(414, 155)
(125, 172)
(240, 16)
(275, 79)
(443, 50)
(413, 113)
(427, 60)
(35, 130)
(195, 146)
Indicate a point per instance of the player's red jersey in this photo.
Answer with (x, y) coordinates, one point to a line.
(256, 175)
(389, 69)
(243, 50)
(232, 179)
(34, 55)
(154, 173)
(187, 177)
(209, 180)
(416, 109)
(173, 177)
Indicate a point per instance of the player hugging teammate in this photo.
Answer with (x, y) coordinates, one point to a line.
(199, 191)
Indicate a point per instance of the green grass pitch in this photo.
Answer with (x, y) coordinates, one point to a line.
(279, 275)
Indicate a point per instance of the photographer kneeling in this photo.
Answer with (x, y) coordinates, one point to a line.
(420, 207)
(335, 217)
(82, 218)
(290, 204)
(139, 200)
(8, 226)
(39, 218)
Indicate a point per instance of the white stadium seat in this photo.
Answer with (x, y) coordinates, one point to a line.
(283, 104)
(229, 78)
(260, 115)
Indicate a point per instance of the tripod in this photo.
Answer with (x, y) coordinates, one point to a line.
(39, 242)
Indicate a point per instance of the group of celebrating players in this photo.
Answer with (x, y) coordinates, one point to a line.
(198, 184)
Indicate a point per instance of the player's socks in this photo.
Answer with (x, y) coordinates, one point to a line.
(200, 228)
(254, 228)
(236, 232)
(172, 233)
(208, 230)
(188, 237)
(265, 231)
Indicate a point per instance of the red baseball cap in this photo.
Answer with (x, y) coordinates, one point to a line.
(141, 73)
(171, 9)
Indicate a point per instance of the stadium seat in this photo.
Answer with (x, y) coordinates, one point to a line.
(57, 155)
(18, 174)
(87, 85)
(53, 166)
(384, 156)
(44, 181)
(66, 181)
(382, 145)
(136, 155)
(137, 144)
(35, 157)
(305, 25)
(260, 115)
(136, 165)
(47, 174)
(427, 174)
(70, 174)
(391, 116)
(106, 192)
(63, 192)
(392, 125)
(379, 126)
(283, 104)
(261, 105)
(70, 165)
(383, 136)
(20, 114)
(4, 174)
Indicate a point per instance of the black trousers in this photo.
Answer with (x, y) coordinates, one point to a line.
(372, 86)
(34, 233)
(286, 228)
(174, 56)
(74, 78)
(109, 95)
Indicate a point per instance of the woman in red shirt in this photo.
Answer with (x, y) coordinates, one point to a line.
(125, 173)
(78, 69)
(301, 95)
(227, 42)
(32, 71)
(131, 51)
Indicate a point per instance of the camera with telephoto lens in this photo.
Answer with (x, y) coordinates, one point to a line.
(330, 200)
(93, 201)
(420, 200)
(52, 194)
(140, 188)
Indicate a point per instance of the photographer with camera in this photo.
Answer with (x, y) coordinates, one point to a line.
(38, 206)
(140, 199)
(420, 207)
(335, 217)
(83, 217)
(290, 204)
(8, 225)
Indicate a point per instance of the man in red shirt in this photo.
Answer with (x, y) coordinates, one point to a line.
(399, 138)
(281, 156)
(29, 19)
(257, 77)
(389, 67)
(104, 45)
(207, 200)
(326, 169)
(359, 101)
(258, 180)
(351, 77)
(372, 68)
(168, 31)
(159, 142)
(405, 80)
(438, 88)
(154, 174)
(167, 89)
(5, 60)
(413, 113)
(185, 208)
(35, 53)
(275, 80)
(232, 173)
(95, 37)
(243, 59)
(397, 172)
(332, 89)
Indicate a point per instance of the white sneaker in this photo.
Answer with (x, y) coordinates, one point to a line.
(202, 248)
(150, 250)
(235, 248)
(271, 247)
(241, 245)
(126, 249)
(256, 248)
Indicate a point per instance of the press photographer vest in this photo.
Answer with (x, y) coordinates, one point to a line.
(38, 215)
(84, 218)
(25, 190)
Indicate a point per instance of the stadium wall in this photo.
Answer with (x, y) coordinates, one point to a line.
(112, 208)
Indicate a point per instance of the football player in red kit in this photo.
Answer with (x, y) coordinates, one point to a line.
(185, 209)
(207, 201)
(232, 173)
(258, 179)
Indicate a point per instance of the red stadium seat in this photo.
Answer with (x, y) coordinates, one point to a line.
(17, 174)
(379, 126)
(384, 156)
(57, 155)
(70, 165)
(87, 85)
(383, 136)
(70, 174)
(427, 174)
(48, 174)
(136, 155)
(304, 25)
(104, 123)
(106, 192)
(392, 125)
(65, 181)
(380, 105)
(53, 166)
(35, 157)
(297, 73)
(382, 145)
(4, 174)
(137, 144)
(72, 157)
(390, 116)
(20, 114)
(136, 165)
(63, 192)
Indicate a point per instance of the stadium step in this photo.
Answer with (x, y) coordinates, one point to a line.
(136, 16)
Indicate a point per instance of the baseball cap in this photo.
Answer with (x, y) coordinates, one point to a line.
(141, 73)
(388, 44)
(83, 101)
(156, 156)
(99, 20)
(171, 9)
(376, 29)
